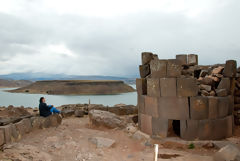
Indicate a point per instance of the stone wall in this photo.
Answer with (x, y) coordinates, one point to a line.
(178, 96)
(14, 131)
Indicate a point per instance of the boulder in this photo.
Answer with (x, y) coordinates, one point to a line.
(217, 70)
(67, 113)
(138, 135)
(79, 113)
(106, 119)
(37, 122)
(55, 120)
(131, 129)
(227, 153)
(205, 87)
(101, 142)
(123, 109)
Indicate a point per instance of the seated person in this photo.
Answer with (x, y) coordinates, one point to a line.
(46, 110)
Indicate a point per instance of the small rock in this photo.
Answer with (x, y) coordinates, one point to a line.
(102, 142)
(212, 93)
(204, 93)
(209, 145)
(227, 153)
(131, 129)
(218, 70)
(205, 87)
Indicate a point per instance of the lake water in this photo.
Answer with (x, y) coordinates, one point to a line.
(31, 100)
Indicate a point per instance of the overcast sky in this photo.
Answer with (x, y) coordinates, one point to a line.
(106, 37)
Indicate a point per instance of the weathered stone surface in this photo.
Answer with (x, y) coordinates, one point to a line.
(37, 122)
(237, 100)
(15, 133)
(217, 70)
(141, 85)
(55, 120)
(213, 107)
(101, 142)
(2, 139)
(203, 73)
(175, 108)
(189, 129)
(205, 129)
(227, 153)
(106, 119)
(199, 108)
(187, 87)
(146, 57)
(221, 92)
(205, 87)
(230, 68)
(207, 81)
(146, 124)
(20, 128)
(151, 106)
(27, 125)
(205, 93)
(141, 104)
(140, 136)
(123, 109)
(225, 84)
(158, 68)
(223, 106)
(192, 59)
(131, 129)
(7, 129)
(79, 113)
(182, 58)
(67, 113)
(144, 70)
(159, 127)
(153, 87)
(168, 87)
(174, 68)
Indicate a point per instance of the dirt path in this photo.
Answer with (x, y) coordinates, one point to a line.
(69, 142)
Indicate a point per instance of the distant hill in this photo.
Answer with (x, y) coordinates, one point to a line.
(14, 83)
(44, 76)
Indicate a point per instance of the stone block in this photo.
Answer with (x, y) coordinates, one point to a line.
(174, 68)
(192, 59)
(231, 105)
(15, 133)
(208, 88)
(182, 58)
(153, 87)
(224, 84)
(158, 68)
(189, 129)
(230, 69)
(206, 130)
(2, 139)
(168, 87)
(223, 106)
(175, 108)
(199, 108)
(20, 128)
(223, 128)
(7, 129)
(221, 92)
(159, 127)
(151, 106)
(141, 85)
(55, 120)
(213, 107)
(146, 124)
(27, 125)
(187, 87)
(237, 100)
(146, 57)
(79, 113)
(141, 104)
(37, 122)
(144, 70)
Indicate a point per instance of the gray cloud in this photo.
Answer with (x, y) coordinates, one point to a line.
(112, 46)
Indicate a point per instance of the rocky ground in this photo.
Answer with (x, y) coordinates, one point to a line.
(76, 140)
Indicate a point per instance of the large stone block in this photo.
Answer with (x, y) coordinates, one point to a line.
(141, 104)
(225, 84)
(15, 133)
(223, 106)
(206, 130)
(223, 128)
(231, 105)
(174, 68)
(230, 69)
(27, 125)
(151, 106)
(55, 120)
(146, 124)
(159, 127)
(213, 107)
(168, 87)
(20, 128)
(158, 68)
(146, 57)
(144, 70)
(2, 139)
(187, 87)
(192, 59)
(189, 129)
(198, 108)
(153, 87)
(141, 85)
(182, 58)
(7, 129)
(175, 108)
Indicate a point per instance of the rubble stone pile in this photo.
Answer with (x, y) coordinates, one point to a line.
(191, 100)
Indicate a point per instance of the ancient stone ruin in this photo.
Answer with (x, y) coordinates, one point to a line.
(180, 97)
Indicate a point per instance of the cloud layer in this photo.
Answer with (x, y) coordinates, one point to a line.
(92, 38)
